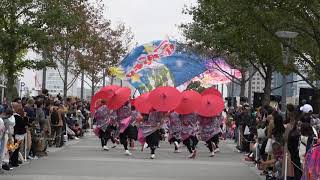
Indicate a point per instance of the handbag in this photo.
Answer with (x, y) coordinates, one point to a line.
(261, 133)
(268, 148)
(246, 131)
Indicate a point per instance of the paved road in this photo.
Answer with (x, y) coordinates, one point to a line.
(86, 161)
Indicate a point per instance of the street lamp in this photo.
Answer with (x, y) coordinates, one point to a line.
(288, 36)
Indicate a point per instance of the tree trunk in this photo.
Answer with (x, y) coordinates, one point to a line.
(104, 78)
(243, 84)
(317, 101)
(65, 81)
(82, 85)
(250, 89)
(44, 78)
(267, 86)
(92, 87)
(11, 76)
(112, 79)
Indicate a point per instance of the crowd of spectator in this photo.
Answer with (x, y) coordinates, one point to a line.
(268, 136)
(28, 126)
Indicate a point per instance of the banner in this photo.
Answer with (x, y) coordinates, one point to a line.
(218, 73)
(158, 63)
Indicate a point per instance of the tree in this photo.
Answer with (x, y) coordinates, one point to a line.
(67, 35)
(218, 25)
(103, 48)
(302, 16)
(20, 30)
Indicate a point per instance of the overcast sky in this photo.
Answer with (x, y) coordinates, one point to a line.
(148, 19)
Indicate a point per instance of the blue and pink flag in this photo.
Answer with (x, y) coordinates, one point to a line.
(159, 63)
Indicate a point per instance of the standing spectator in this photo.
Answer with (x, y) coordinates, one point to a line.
(293, 147)
(9, 122)
(278, 130)
(2, 136)
(40, 117)
(56, 121)
(30, 110)
(19, 132)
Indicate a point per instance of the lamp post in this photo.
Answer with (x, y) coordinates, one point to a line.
(287, 36)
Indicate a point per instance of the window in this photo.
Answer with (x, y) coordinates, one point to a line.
(258, 82)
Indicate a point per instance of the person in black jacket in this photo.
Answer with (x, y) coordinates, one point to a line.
(19, 132)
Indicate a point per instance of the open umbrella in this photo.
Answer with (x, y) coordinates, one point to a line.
(142, 104)
(110, 87)
(105, 93)
(212, 91)
(120, 97)
(211, 105)
(189, 103)
(165, 98)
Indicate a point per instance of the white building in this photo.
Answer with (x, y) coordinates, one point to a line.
(54, 83)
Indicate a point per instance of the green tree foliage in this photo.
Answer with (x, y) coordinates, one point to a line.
(67, 28)
(302, 16)
(196, 86)
(228, 28)
(103, 47)
(20, 30)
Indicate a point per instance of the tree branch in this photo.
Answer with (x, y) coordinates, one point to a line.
(228, 75)
(305, 79)
(60, 75)
(290, 82)
(250, 76)
(69, 85)
(257, 68)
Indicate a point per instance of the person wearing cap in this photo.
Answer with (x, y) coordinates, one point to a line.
(306, 108)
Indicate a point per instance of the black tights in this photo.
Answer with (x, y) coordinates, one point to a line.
(172, 140)
(106, 135)
(124, 140)
(153, 141)
(191, 143)
(214, 139)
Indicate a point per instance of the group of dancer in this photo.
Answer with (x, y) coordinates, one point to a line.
(129, 125)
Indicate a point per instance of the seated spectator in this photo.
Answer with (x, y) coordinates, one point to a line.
(275, 161)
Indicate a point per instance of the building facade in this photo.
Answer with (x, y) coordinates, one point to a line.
(54, 83)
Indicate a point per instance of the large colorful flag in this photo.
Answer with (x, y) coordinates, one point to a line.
(158, 63)
(219, 72)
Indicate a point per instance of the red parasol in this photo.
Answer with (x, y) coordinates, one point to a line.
(211, 105)
(120, 97)
(189, 103)
(164, 98)
(212, 91)
(110, 87)
(105, 93)
(142, 104)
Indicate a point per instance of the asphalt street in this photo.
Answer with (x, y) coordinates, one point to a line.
(85, 160)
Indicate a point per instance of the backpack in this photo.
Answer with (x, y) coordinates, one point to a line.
(54, 117)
